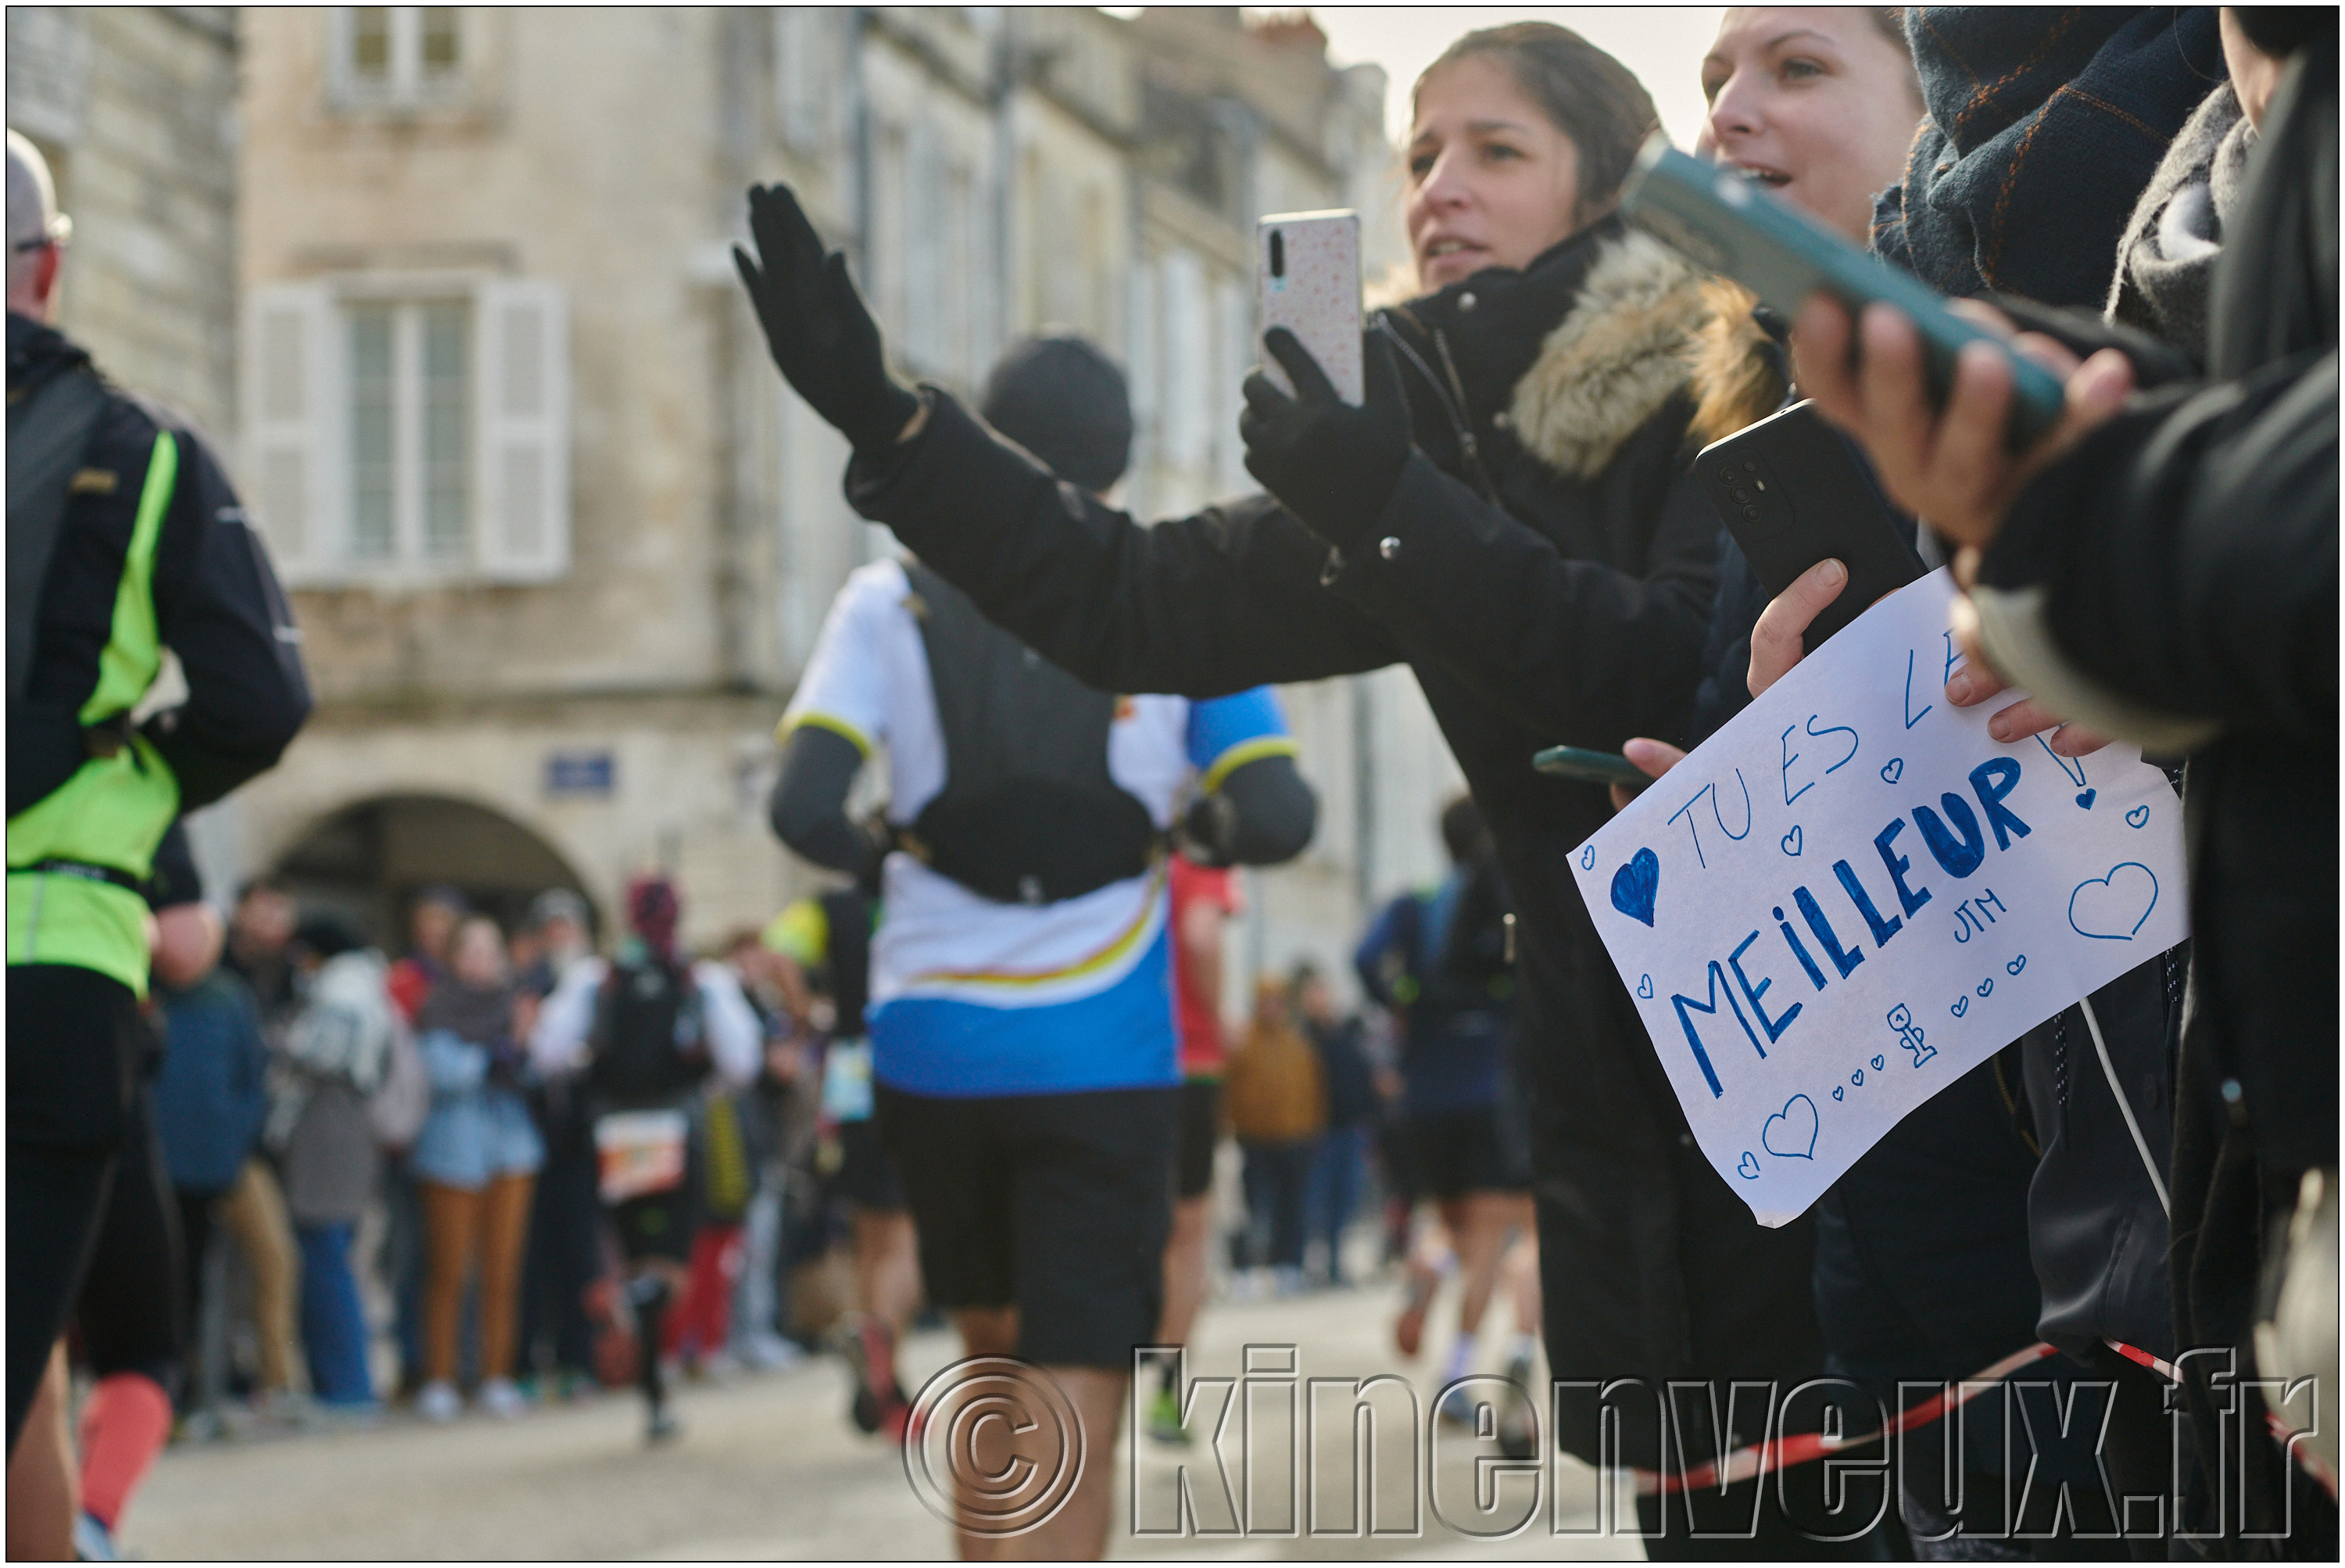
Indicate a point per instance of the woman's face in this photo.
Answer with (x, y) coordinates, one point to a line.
(1492, 181)
(1816, 102)
(480, 957)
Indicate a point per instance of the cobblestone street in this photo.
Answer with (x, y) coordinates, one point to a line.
(768, 1468)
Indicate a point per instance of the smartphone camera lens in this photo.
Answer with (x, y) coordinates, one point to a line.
(1743, 498)
(1277, 253)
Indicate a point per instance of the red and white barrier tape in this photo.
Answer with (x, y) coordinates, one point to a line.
(1749, 1462)
(2281, 1433)
(1759, 1459)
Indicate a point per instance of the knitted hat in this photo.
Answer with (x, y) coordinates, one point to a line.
(1065, 402)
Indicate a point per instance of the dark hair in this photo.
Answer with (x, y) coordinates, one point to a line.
(1463, 829)
(1065, 402)
(325, 935)
(1590, 96)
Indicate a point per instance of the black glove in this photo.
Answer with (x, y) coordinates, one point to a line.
(1331, 464)
(821, 335)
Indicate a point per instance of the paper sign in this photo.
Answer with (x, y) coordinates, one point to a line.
(1852, 894)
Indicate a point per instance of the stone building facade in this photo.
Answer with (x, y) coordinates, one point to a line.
(561, 541)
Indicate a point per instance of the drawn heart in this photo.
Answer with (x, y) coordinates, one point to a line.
(1839, 1092)
(1879, 1063)
(2017, 964)
(2086, 798)
(2112, 908)
(1795, 1123)
(1749, 1169)
(1588, 859)
(1856, 1079)
(1645, 988)
(1962, 1005)
(2137, 818)
(1986, 986)
(1635, 884)
(1791, 841)
(1893, 770)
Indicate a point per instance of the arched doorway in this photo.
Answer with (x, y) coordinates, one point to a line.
(367, 861)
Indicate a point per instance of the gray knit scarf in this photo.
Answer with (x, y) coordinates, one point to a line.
(2166, 260)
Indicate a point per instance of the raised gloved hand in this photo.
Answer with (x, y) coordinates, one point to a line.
(816, 328)
(1331, 464)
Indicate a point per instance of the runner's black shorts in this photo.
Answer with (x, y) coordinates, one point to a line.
(1057, 1205)
(1200, 1134)
(866, 1177)
(1458, 1152)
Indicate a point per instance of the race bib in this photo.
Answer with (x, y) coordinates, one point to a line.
(639, 1153)
(847, 1081)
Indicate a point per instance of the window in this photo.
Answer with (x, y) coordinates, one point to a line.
(802, 74)
(416, 435)
(396, 56)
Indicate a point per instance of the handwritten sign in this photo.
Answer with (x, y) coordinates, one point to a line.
(1852, 894)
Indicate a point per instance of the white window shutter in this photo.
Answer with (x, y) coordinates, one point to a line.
(290, 398)
(521, 525)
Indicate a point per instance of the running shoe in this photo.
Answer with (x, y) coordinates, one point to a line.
(662, 1427)
(1457, 1408)
(93, 1542)
(438, 1403)
(870, 1352)
(502, 1399)
(1408, 1329)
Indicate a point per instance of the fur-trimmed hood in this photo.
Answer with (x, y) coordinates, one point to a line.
(1572, 356)
(1611, 363)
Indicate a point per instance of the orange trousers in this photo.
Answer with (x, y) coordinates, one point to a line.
(486, 1228)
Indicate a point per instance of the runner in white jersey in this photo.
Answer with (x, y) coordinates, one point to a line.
(1020, 1013)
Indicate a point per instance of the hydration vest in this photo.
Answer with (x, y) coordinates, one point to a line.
(1028, 813)
(77, 857)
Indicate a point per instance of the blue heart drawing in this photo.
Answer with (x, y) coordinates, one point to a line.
(1856, 1079)
(1798, 1119)
(1893, 770)
(1793, 840)
(2137, 818)
(1748, 1167)
(1839, 1092)
(1879, 1063)
(2112, 908)
(2017, 964)
(1634, 885)
(1962, 1005)
(1588, 859)
(1645, 987)
(1987, 987)
(2085, 798)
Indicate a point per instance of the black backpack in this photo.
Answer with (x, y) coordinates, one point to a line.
(649, 1044)
(1028, 813)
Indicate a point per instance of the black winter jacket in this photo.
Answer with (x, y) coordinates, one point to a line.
(2180, 566)
(1545, 567)
(217, 602)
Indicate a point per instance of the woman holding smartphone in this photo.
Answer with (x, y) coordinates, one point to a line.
(1511, 514)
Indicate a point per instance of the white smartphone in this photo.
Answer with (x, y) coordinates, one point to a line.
(1307, 280)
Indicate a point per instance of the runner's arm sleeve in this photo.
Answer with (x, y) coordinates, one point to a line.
(218, 608)
(808, 809)
(734, 1035)
(1369, 961)
(1257, 808)
(1276, 811)
(558, 1043)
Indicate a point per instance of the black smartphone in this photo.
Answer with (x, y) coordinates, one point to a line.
(1724, 222)
(1793, 494)
(1589, 767)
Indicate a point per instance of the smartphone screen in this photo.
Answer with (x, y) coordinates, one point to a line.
(1307, 280)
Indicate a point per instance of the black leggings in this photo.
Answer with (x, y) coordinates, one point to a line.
(133, 1308)
(74, 1042)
